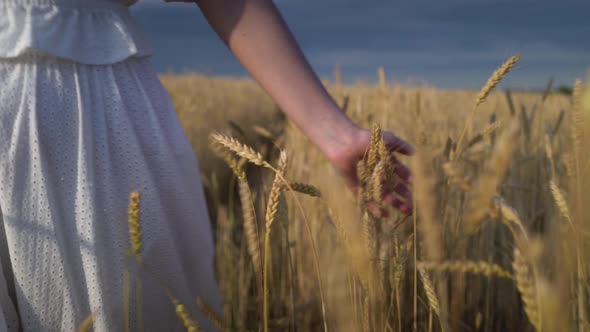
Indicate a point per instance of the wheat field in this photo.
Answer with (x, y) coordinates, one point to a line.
(497, 241)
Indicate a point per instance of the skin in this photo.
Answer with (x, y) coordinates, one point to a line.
(260, 39)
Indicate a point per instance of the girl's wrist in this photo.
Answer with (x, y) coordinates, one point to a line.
(336, 134)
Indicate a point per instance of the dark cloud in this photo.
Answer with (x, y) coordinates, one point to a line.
(446, 43)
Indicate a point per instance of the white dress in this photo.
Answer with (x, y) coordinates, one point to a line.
(84, 121)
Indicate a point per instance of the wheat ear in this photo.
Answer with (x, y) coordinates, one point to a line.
(236, 166)
(399, 269)
(240, 149)
(481, 97)
(373, 154)
(549, 154)
(307, 189)
(510, 218)
(456, 178)
(429, 290)
(561, 202)
(212, 315)
(526, 287)
(370, 236)
(377, 183)
(135, 237)
(134, 223)
(271, 211)
(480, 268)
(86, 324)
(190, 324)
(362, 173)
(496, 78)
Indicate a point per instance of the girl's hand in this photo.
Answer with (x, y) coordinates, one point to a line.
(261, 40)
(352, 146)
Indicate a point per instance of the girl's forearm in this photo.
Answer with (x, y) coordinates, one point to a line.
(260, 39)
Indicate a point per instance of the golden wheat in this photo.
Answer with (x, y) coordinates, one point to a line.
(482, 96)
(212, 315)
(86, 324)
(373, 154)
(271, 211)
(134, 223)
(185, 316)
(376, 184)
(306, 189)
(429, 290)
(526, 287)
(240, 149)
(578, 119)
(480, 268)
(496, 78)
(560, 201)
(251, 233)
(487, 184)
(235, 165)
(444, 194)
(456, 178)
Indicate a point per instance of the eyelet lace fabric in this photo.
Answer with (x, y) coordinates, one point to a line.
(75, 140)
(86, 31)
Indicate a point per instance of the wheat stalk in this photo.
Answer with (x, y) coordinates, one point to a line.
(271, 211)
(370, 236)
(398, 270)
(579, 163)
(382, 77)
(481, 268)
(549, 154)
(578, 121)
(251, 229)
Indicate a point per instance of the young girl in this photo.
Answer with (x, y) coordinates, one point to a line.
(84, 121)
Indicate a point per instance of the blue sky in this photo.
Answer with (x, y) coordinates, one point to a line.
(444, 43)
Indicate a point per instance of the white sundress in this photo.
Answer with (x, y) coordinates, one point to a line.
(84, 121)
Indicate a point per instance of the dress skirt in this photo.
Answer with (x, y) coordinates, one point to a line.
(75, 141)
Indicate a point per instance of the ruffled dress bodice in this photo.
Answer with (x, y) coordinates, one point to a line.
(95, 32)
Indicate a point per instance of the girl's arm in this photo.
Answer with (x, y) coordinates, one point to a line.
(260, 39)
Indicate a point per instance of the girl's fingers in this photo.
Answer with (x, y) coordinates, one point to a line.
(403, 205)
(403, 191)
(396, 144)
(401, 170)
